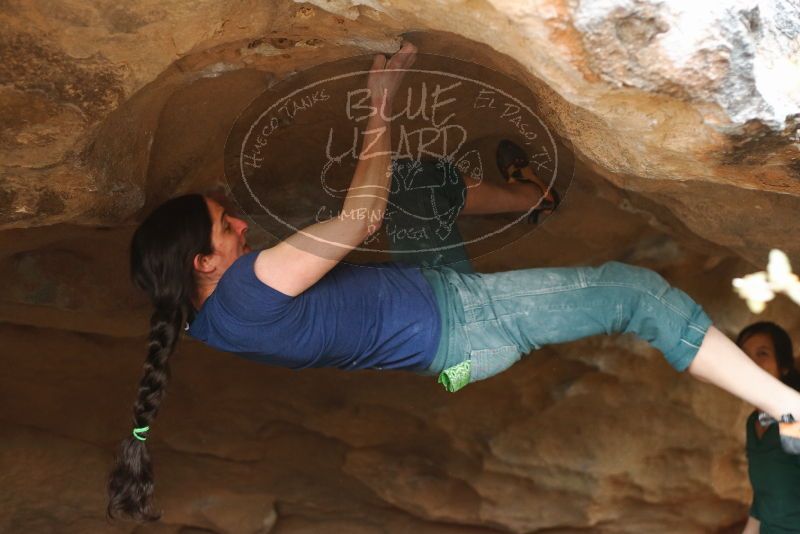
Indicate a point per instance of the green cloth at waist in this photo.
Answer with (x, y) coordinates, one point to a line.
(453, 370)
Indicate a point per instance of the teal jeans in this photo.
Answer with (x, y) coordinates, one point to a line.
(492, 320)
(489, 321)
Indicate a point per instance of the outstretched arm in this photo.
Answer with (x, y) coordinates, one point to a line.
(298, 262)
(369, 189)
(752, 527)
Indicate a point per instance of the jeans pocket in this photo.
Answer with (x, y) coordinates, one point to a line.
(488, 362)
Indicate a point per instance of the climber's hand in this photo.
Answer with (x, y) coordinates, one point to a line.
(383, 84)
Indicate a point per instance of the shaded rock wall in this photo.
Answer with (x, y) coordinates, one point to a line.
(687, 154)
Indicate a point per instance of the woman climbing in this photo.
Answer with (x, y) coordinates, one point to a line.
(295, 305)
(774, 474)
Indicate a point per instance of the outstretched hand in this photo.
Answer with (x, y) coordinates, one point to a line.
(385, 76)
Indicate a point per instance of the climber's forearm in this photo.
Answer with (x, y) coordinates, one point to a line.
(752, 527)
(369, 188)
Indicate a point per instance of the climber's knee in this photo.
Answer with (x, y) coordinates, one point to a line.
(637, 279)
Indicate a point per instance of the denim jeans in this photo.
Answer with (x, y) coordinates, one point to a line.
(492, 320)
(497, 318)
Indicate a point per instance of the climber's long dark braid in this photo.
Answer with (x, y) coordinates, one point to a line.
(162, 251)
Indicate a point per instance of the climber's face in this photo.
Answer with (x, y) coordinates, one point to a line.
(227, 239)
(761, 350)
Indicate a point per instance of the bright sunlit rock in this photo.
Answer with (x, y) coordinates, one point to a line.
(761, 287)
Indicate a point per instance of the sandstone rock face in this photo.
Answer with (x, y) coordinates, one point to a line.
(730, 54)
(683, 121)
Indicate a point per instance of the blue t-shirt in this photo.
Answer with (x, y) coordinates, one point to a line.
(376, 315)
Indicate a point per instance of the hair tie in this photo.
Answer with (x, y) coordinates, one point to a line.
(140, 429)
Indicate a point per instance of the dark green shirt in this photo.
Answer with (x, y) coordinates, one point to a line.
(775, 477)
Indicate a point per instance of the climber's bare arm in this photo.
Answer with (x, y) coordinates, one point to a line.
(298, 262)
(752, 527)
